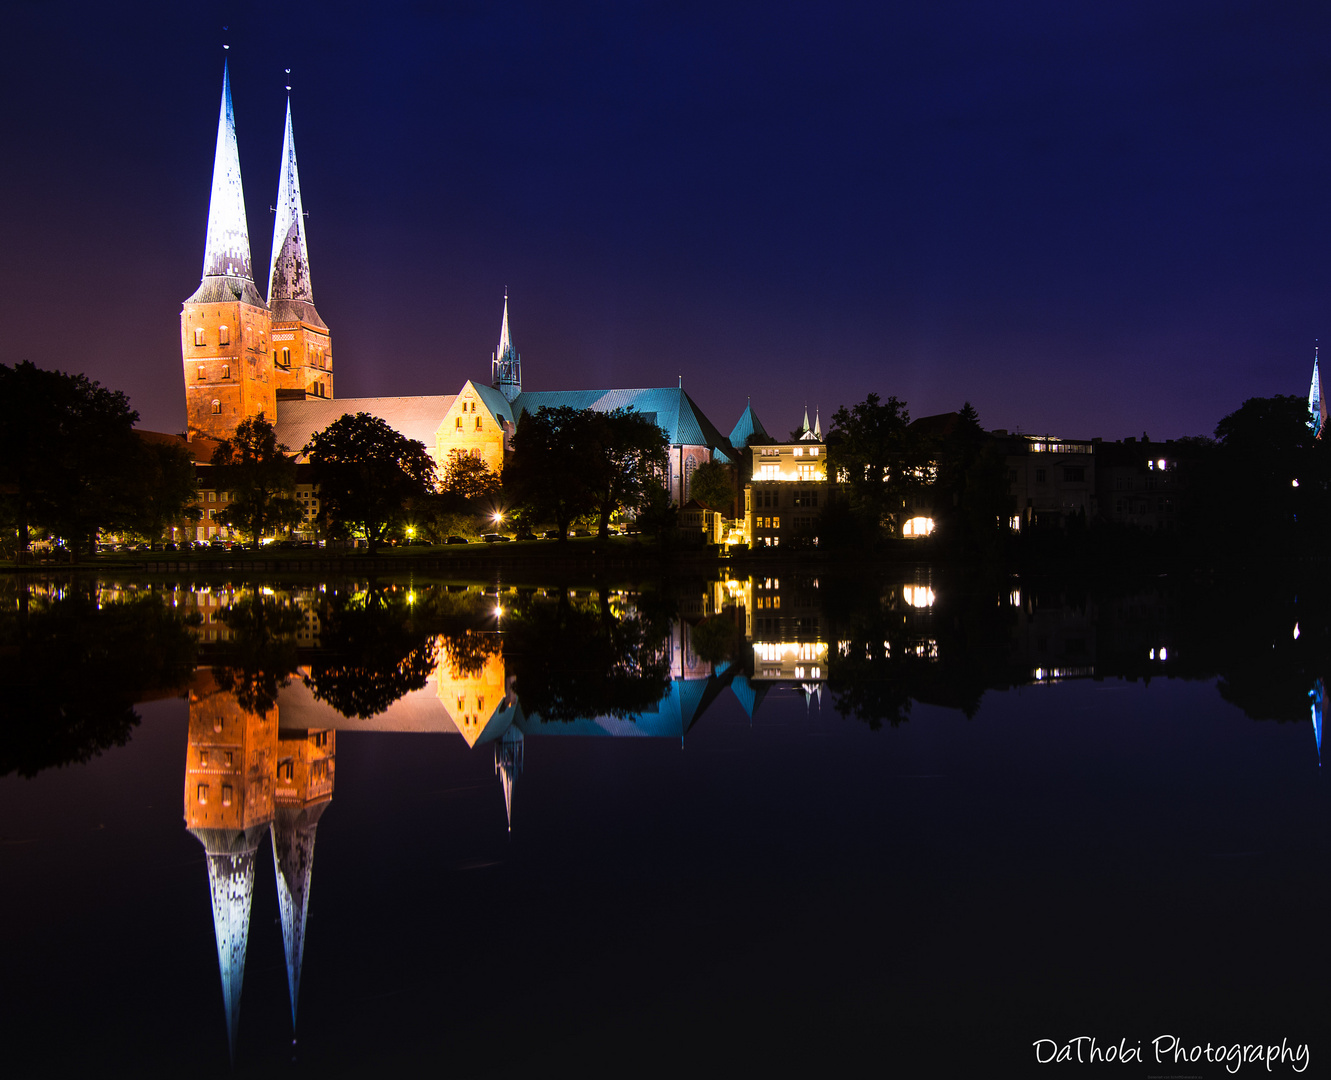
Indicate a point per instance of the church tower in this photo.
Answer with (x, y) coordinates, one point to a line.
(302, 350)
(224, 326)
(506, 364)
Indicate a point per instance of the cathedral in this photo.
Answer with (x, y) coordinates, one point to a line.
(245, 355)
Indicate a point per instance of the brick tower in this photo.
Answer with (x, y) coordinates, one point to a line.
(225, 325)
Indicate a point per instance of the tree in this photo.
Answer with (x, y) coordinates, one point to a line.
(366, 474)
(551, 468)
(713, 485)
(254, 468)
(67, 454)
(164, 489)
(627, 455)
(872, 452)
(468, 479)
(974, 500)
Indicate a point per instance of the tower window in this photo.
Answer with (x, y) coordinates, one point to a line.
(198, 336)
(203, 795)
(226, 371)
(224, 335)
(203, 372)
(217, 408)
(286, 358)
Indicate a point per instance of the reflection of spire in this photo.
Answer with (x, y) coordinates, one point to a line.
(293, 859)
(508, 764)
(1317, 693)
(230, 857)
(812, 690)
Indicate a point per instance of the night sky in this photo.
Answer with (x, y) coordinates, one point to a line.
(1086, 219)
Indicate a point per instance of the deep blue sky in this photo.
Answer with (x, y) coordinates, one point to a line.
(1087, 219)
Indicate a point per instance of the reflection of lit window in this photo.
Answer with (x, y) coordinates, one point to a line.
(918, 595)
(203, 757)
(918, 526)
(226, 794)
(284, 770)
(203, 794)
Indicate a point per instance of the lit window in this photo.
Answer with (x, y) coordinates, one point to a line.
(198, 337)
(286, 358)
(478, 423)
(224, 335)
(217, 407)
(226, 794)
(203, 757)
(458, 425)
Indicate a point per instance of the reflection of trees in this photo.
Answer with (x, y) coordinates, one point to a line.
(575, 659)
(885, 654)
(71, 670)
(467, 652)
(260, 654)
(375, 649)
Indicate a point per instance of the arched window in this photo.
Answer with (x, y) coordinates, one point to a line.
(203, 372)
(217, 407)
(224, 335)
(226, 371)
(198, 336)
(286, 358)
(689, 465)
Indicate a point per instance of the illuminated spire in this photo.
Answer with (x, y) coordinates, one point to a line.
(1316, 406)
(1317, 693)
(227, 251)
(817, 425)
(289, 269)
(293, 830)
(230, 858)
(506, 365)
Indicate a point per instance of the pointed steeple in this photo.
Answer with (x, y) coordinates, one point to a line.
(230, 858)
(1316, 406)
(506, 364)
(289, 269)
(747, 426)
(293, 830)
(817, 425)
(226, 252)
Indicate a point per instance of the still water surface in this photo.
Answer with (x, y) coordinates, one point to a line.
(899, 826)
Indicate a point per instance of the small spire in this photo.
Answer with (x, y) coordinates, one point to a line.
(817, 425)
(226, 251)
(1316, 404)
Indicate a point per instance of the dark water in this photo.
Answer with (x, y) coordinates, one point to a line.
(844, 826)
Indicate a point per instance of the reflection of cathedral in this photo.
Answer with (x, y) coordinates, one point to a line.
(243, 775)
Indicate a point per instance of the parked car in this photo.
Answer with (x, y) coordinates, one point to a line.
(456, 540)
(550, 534)
(170, 546)
(495, 538)
(526, 534)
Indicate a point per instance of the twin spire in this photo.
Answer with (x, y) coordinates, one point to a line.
(227, 249)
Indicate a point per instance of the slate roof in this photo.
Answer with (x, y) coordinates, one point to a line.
(673, 410)
(415, 417)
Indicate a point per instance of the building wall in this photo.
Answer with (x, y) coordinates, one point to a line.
(469, 428)
(302, 356)
(1051, 479)
(229, 760)
(228, 374)
(787, 494)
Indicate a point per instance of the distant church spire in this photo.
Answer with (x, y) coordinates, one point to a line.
(227, 250)
(289, 270)
(506, 364)
(1316, 406)
(817, 424)
(508, 764)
